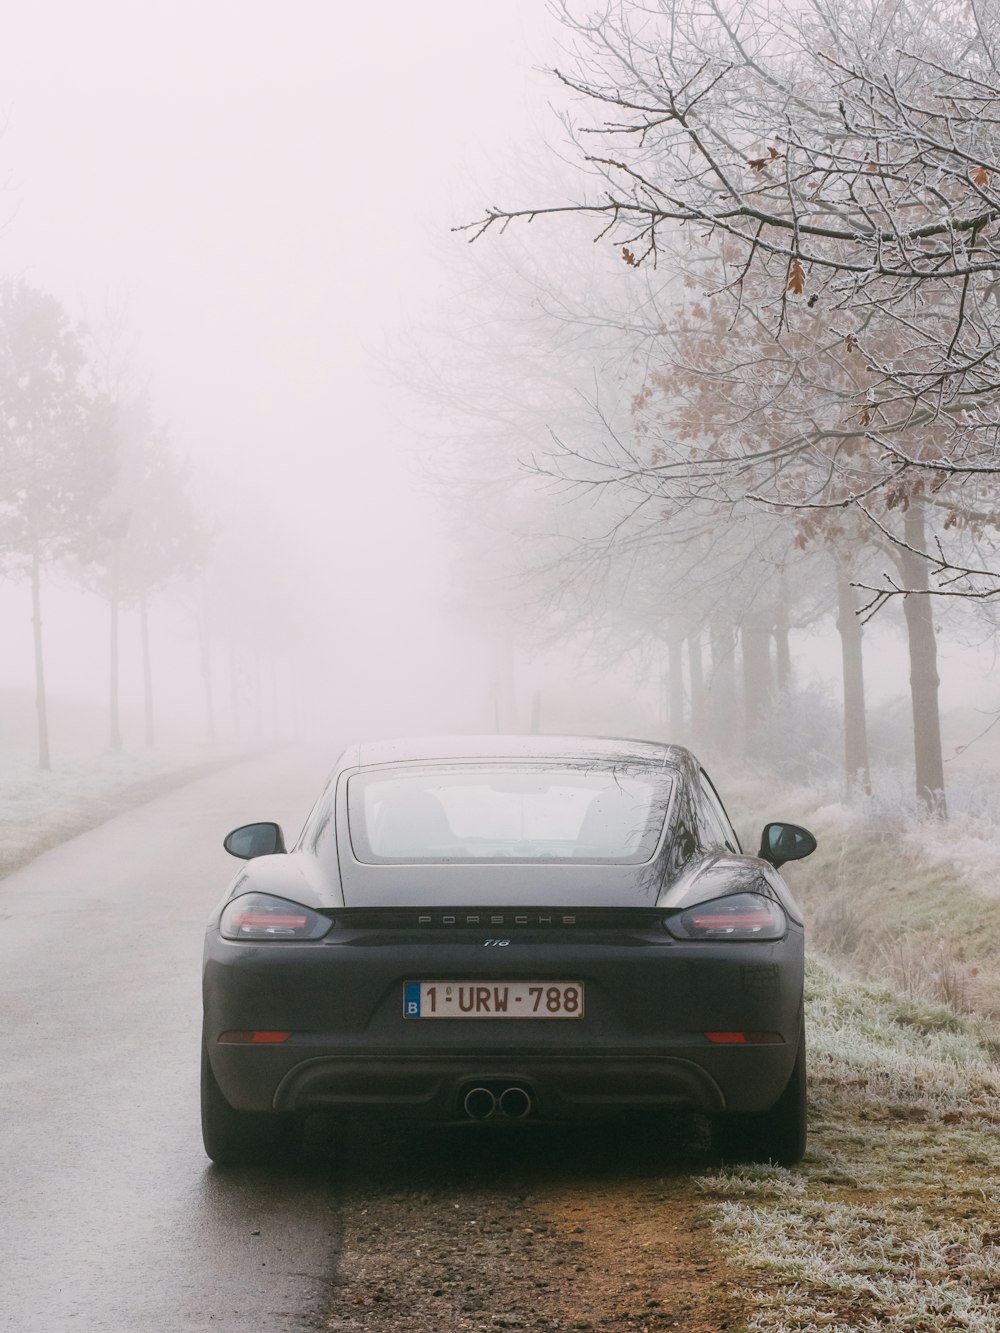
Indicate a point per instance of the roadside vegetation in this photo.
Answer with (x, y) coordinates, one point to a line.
(893, 1220)
(41, 808)
(880, 906)
(93, 487)
(892, 897)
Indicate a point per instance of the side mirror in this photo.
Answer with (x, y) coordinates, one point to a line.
(785, 842)
(250, 840)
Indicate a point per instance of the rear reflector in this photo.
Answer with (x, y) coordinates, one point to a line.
(254, 1038)
(746, 1038)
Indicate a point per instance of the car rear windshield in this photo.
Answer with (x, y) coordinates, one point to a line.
(528, 813)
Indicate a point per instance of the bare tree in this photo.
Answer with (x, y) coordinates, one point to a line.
(151, 537)
(841, 163)
(823, 178)
(56, 459)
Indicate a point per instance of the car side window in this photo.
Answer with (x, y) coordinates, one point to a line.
(716, 828)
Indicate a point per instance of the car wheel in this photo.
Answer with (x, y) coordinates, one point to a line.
(241, 1138)
(777, 1135)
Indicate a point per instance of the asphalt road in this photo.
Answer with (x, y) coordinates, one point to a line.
(111, 1217)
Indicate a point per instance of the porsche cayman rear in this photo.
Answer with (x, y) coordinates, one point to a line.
(503, 931)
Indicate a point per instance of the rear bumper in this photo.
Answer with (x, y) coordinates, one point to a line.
(641, 1045)
(562, 1087)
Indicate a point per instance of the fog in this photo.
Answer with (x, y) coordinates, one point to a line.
(256, 209)
(265, 199)
(592, 368)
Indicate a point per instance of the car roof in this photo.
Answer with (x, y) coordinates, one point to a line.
(414, 749)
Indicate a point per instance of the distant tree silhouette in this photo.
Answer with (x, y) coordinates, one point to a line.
(56, 453)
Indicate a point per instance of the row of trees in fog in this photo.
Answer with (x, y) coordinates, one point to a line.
(804, 200)
(92, 485)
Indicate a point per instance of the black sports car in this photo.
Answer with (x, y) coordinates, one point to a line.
(508, 928)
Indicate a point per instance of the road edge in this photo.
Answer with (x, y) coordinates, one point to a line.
(100, 809)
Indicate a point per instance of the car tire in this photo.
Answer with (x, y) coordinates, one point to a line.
(242, 1138)
(777, 1135)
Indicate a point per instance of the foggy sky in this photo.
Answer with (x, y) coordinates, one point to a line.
(269, 191)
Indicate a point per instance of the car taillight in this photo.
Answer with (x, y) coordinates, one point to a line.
(742, 916)
(258, 916)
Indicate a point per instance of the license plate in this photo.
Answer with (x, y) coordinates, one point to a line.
(493, 999)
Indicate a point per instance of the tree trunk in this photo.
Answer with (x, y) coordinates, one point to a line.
(919, 612)
(147, 673)
(723, 681)
(114, 602)
(758, 684)
(205, 655)
(258, 695)
(675, 670)
(856, 766)
(696, 672)
(275, 720)
(234, 689)
(495, 691)
(782, 652)
(44, 759)
(536, 713)
(505, 699)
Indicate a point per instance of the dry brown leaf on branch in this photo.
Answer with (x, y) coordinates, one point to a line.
(851, 342)
(796, 278)
(981, 177)
(806, 529)
(629, 257)
(759, 163)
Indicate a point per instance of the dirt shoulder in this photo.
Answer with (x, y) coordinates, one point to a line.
(892, 1222)
(542, 1230)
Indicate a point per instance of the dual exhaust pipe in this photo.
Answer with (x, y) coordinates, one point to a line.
(482, 1104)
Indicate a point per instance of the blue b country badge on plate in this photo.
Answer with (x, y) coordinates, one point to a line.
(411, 1000)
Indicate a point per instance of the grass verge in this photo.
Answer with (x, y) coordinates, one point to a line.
(877, 903)
(893, 1221)
(39, 810)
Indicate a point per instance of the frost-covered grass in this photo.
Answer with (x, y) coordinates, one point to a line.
(970, 843)
(875, 901)
(39, 810)
(878, 901)
(893, 1220)
(846, 1268)
(967, 844)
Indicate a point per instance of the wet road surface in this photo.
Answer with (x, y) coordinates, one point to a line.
(111, 1217)
(113, 1220)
